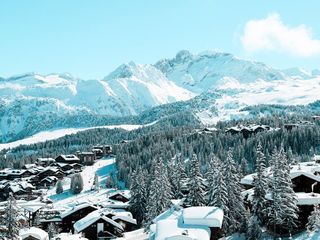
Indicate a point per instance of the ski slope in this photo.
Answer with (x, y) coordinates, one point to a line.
(55, 134)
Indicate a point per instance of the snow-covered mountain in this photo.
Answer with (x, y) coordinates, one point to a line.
(208, 70)
(32, 102)
(221, 83)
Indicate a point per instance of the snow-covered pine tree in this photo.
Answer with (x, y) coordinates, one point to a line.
(159, 193)
(217, 193)
(260, 186)
(11, 219)
(176, 171)
(313, 224)
(96, 185)
(59, 187)
(254, 231)
(195, 196)
(282, 211)
(235, 211)
(76, 185)
(138, 190)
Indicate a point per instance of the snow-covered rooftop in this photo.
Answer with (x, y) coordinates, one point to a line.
(203, 216)
(92, 218)
(171, 229)
(75, 209)
(33, 232)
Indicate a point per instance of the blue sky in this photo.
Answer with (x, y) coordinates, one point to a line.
(91, 38)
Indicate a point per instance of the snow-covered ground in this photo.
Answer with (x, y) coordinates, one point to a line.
(103, 168)
(139, 234)
(54, 134)
(235, 96)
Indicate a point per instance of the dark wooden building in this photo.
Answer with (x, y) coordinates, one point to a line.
(96, 226)
(69, 217)
(68, 159)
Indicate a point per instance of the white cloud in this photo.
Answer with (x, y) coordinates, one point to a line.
(273, 35)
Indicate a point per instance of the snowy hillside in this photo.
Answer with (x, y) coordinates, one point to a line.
(30, 103)
(214, 86)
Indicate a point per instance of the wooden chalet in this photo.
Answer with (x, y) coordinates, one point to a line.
(305, 183)
(69, 217)
(51, 171)
(87, 158)
(106, 149)
(97, 225)
(119, 196)
(48, 182)
(71, 158)
(45, 162)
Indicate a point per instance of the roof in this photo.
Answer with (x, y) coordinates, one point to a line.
(205, 216)
(70, 157)
(125, 218)
(75, 209)
(45, 159)
(34, 232)
(170, 228)
(92, 218)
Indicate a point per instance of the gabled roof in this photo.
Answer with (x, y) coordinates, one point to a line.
(75, 209)
(70, 157)
(92, 218)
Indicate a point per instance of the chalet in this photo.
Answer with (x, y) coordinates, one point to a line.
(63, 166)
(106, 149)
(120, 196)
(20, 190)
(246, 131)
(48, 182)
(96, 225)
(199, 223)
(51, 171)
(67, 159)
(87, 158)
(11, 174)
(305, 183)
(33, 233)
(45, 162)
(70, 216)
(126, 220)
(98, 153)
(47, 216)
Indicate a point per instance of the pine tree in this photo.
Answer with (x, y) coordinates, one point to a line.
(96, 185)
(76, 185)
(138, 190)
(282, 211)
(313, 224)
(260, 186)
(159, 193)
(217, 193)
(176, 174)
(254, 231)
(59, 187)
(195, 196)
(234, 211)
(11, 220)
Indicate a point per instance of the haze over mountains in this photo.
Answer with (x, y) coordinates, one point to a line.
(224, 83)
